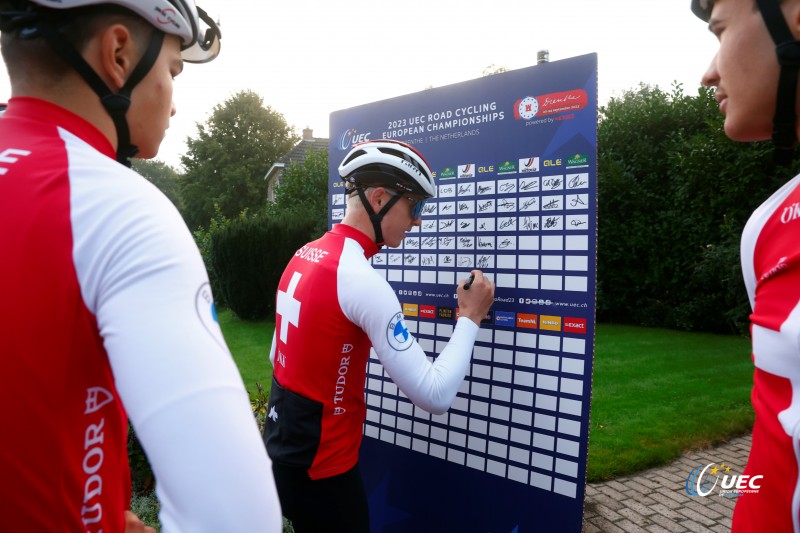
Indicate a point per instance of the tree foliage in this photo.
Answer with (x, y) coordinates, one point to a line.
(163, 176)
(493, 69)
(303, 192)
(673, 196)
(226, 163)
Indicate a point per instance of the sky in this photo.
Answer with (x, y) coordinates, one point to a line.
(309, 58)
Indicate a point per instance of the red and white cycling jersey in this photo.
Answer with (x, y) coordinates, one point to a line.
(332, 307)
(771, 266)
(107, 311)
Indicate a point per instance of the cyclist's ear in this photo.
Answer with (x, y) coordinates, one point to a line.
(377, 197)
(118, 54)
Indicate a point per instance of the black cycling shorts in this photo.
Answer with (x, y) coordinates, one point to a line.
(336, 504)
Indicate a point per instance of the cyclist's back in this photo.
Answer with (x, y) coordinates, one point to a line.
(107, 312)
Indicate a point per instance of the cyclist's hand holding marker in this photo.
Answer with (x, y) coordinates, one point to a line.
(475, 296)
(469, 282)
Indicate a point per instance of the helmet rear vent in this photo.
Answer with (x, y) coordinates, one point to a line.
(357, 153)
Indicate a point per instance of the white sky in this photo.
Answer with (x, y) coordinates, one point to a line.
(308, 58)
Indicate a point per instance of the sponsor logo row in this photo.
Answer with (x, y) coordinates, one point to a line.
(523, 165)
(507, 319)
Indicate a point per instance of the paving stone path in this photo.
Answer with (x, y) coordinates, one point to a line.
(655, 501)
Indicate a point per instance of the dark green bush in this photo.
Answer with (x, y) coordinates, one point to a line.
(142, 480)
(674, 194)
(248, 257)
(203, 237)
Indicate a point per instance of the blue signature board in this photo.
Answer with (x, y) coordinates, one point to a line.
(515, 158)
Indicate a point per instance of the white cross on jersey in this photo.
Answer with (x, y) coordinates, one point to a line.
(288, 308)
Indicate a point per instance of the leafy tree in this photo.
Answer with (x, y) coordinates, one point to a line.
(304, 192)
(163, 176)
(493, 69)
(226, 163)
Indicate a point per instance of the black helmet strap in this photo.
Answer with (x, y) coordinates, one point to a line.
(376, 218)
(784, 129)
(116, 104)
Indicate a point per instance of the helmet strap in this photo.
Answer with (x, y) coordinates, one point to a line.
(376, 218)
(784, 129)
(115, 104)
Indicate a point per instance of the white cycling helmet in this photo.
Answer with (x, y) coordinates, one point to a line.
(199, 35)
(198, 32)
(391, 164)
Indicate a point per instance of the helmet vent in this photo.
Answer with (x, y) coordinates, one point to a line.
(357, 153)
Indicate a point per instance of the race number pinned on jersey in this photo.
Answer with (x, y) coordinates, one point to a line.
(397, 333)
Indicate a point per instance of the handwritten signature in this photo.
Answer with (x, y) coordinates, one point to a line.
(551, 222)
(553, 183)
(530, 223)
(576, 201)
(552, 204)
(577, 181)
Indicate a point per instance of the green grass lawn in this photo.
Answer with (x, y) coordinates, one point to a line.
(655, 393)
(249, 343)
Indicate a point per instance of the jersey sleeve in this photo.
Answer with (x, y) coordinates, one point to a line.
(143, 278)
(371, 303)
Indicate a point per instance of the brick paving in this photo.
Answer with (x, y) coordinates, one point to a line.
(655, 501)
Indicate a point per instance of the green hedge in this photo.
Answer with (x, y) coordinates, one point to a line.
(674, 194)
(248, 257)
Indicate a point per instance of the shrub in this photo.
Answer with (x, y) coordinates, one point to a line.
(146, 507)
(203, 238)
(248, 257)
(674, 194)
(142, 480)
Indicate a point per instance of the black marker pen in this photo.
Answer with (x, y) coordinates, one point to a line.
(469, 282)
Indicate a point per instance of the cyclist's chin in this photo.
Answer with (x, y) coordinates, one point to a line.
(394, 243)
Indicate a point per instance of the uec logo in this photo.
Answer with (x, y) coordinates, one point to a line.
(704, 479)
(351, 138)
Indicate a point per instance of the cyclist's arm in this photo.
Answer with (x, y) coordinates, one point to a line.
(144, 280)
(432, 386)
(371, 303)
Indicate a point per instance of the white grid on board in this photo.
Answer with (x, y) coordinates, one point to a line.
(518, 412)
(542, 242)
